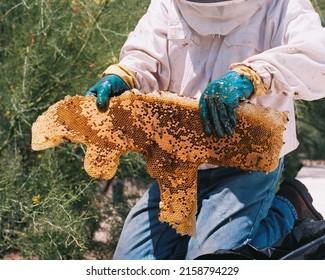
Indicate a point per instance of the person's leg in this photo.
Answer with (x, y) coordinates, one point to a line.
(279, 222)
(145, 237)
(292, 202)
(232, 205)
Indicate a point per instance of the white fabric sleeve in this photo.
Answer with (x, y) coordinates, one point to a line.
(144, 53)
(296, 67)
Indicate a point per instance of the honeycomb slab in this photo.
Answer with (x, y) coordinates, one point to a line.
(167, 130)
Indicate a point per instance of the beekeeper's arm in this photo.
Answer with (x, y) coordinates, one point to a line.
(296, 66)
(143, 62)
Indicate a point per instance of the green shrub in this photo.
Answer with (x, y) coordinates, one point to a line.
(49, 206)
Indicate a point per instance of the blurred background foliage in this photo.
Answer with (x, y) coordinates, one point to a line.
(49, 207)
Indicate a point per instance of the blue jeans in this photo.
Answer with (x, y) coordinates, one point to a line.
(235, 207)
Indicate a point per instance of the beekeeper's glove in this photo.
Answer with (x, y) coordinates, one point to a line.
(117, 79)
(221, 98)
(107, 87)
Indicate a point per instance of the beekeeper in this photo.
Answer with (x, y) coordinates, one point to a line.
(222, 52)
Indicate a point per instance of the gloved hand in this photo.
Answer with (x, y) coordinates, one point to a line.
(220, 100)
(110, 85)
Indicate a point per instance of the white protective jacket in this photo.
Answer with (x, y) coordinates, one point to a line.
(181, 46)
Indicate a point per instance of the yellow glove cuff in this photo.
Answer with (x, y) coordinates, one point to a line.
(259, 87)
(123, 73)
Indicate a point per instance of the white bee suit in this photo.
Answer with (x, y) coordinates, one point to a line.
(181, 46)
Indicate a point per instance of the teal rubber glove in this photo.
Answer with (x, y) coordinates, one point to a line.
(220, 100)
(110, 85)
